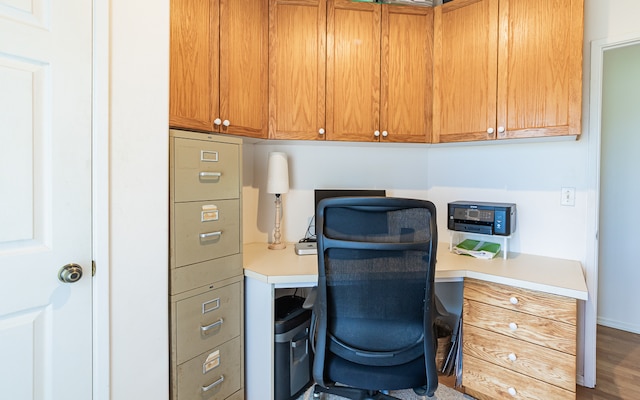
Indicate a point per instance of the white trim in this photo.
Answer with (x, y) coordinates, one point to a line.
(598, 47)
(101, 200)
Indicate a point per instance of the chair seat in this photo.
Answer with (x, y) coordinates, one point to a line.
(409, 375)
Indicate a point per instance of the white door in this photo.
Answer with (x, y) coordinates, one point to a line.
(45, 199)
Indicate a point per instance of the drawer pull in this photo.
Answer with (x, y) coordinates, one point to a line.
(512, 357)
(207, 307)
(210, 174)
(512, 391)
(214, 384)
(513, 326)
(210, 235)
(205, 329)
(513, 300)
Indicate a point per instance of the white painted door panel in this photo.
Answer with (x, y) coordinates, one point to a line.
(45, 199)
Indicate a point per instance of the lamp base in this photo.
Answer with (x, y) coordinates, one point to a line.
(277, 246)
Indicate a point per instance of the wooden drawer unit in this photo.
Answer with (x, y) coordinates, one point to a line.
(207, 320)
(205, 230)
(518, 343)
(205, 170)
(213, 375)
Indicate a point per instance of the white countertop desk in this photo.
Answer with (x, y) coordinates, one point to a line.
(267, 270)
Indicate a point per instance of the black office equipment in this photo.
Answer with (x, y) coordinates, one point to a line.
(292, 353)
(482, 217)
(375, 311)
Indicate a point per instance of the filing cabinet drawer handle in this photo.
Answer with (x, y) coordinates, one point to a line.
(205, 329)
(210, 174)
(210, 235)
(214, 384)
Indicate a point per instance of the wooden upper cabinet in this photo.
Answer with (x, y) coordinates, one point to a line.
(297, 65)
(540, 68)
(465, 65)
(193, 74)
(406, 78)
(379, 76)
(507, 69)
(218, 76)
(353, 70)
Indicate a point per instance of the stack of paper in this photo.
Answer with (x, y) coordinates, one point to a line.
(477, 249)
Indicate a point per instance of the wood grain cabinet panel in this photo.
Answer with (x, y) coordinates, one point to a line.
(218, 66)
(297, 65)
(517, 343)
(379, 77)
(507, 69)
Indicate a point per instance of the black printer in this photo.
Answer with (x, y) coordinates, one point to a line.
(484, 218)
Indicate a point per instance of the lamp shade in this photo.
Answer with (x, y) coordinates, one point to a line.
(277, 173)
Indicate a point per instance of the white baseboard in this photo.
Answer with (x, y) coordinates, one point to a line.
(619, 325)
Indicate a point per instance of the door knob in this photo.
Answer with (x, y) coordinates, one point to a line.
(70, 273)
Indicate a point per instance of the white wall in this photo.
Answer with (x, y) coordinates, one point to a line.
(136, 105)
(619, 189)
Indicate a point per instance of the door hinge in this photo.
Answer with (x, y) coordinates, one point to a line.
(93, 267)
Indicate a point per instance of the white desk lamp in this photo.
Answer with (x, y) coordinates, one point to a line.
(277, 183)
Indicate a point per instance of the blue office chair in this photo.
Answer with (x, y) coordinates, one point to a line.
(374, 309)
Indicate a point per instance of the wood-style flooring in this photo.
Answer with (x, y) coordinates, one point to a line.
(617, 367)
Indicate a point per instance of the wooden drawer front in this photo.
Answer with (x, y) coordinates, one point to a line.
(545, 305)
(544, 364)
(206, 230)
(205, 170)
(207, 320)
(484, 380)
(541, 331)
(219, 367)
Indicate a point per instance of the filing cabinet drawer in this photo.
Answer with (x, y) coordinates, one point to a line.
(205, 170)
(213, 375)
(203, 274)
(541, 331)
(545, 305)
(544, 364)
(205, 230)
(207, 320)
(486, 381)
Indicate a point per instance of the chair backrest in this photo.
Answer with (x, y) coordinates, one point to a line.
(376, 267)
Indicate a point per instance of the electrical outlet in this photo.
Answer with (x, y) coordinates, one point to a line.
(568, 196)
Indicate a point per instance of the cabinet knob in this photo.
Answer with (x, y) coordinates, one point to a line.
(226, 122)
(501, 129)
(490, 131)
(385, 133)
(513, 326)
(513, 300)
(512, 391)
(217, 121)
(321, 131)
(376, 133)
(512, 357)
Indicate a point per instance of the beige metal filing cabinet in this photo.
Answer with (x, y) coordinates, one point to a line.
(205, 267)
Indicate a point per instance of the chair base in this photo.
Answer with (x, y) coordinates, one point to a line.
(351, 393)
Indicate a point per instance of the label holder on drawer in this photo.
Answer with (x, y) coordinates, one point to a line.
(208, 156)
(207, 307)
(212, 361)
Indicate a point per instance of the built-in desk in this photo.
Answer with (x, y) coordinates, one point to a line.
(267, 270)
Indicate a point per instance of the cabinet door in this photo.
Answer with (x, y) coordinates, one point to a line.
(353, 70)
(243, 67)
(465, 70)
(297, 60)
(193, 82)
(406, 74)
(540, 68)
